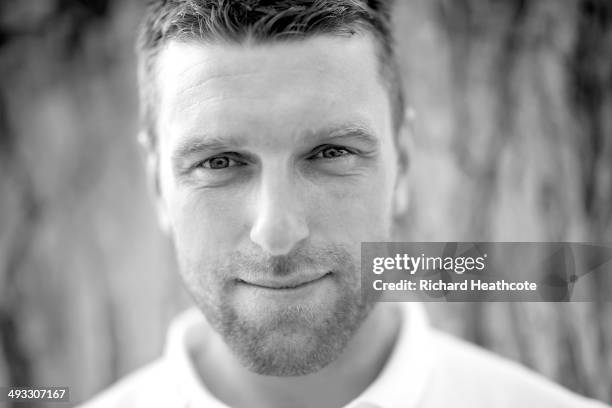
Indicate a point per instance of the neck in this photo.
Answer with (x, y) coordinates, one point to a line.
(333, 386)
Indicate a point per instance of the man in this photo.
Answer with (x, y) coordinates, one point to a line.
(276, 144)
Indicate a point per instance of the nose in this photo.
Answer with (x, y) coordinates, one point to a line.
(280, 222)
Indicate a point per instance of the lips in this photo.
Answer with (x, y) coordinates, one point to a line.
(284, 284)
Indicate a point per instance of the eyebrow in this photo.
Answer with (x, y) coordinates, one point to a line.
(202, 143)
(360, 133)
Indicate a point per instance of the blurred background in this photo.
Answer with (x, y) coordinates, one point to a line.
(513, 143)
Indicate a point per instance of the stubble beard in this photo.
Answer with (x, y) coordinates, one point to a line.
(296, 340)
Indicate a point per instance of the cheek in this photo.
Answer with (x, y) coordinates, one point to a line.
(207, 223)
(352, 212)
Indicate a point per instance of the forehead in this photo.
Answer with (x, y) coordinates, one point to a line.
(269, 88)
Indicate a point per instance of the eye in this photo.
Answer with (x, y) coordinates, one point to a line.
(332, 152)
(219, 163)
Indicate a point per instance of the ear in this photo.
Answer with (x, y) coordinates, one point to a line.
(404, 145)
(151, 156)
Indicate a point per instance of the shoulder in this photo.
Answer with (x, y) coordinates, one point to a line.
(130, 390)
(472, 376)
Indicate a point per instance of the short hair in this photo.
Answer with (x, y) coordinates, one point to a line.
(262, 21)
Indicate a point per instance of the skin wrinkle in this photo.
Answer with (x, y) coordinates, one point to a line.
(350, 132)
(189, 129)
(195, 21)
(245, 44)
(186, 127)
(357, 137)
(193, 104)
(221, 70)
(226, 76)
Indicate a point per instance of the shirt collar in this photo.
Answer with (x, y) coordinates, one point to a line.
(401, 383)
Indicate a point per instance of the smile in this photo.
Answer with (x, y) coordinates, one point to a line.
(296, 283)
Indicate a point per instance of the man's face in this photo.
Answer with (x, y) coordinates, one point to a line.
(275, 162)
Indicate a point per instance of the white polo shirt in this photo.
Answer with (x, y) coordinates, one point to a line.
(426, 369)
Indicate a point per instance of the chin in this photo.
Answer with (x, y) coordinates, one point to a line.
(284, 354)
(297, 341)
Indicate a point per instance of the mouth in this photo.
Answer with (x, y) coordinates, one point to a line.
(285, 284)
